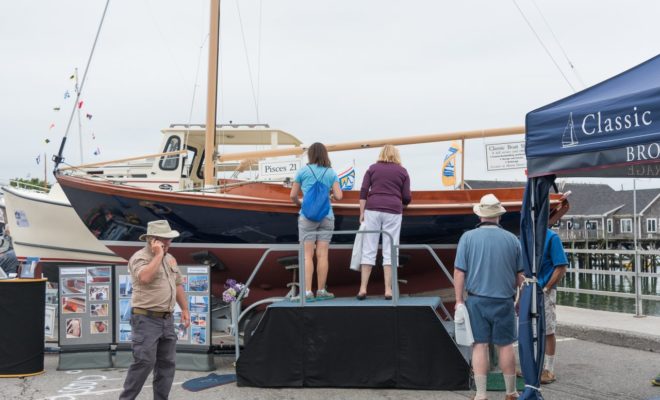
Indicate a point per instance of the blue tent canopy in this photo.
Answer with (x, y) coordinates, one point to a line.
(606, 130)
(610, 129)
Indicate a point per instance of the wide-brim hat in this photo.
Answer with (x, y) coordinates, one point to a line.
(489, 207)
(161, 229)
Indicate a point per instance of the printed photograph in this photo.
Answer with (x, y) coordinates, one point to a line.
(177, 312)
(73, 328)
(181, 331)
(49, 324)
(73, 305)
(125, 310)
(97, 327)
(124, 332)
(199, 304)
(125, 286)
(98, 275)
(185, 282)
(198, 283)
(73, 286)
(98, 310)
(198, 335)
(198, 319)
(99, 293)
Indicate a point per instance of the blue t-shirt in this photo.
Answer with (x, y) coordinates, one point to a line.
(306, 179)
(491, 257)
(553, 257)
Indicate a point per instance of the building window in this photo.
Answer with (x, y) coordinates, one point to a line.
(170, 163)
(651, 225)
(592, 225)
(610, 225)
(626, 225)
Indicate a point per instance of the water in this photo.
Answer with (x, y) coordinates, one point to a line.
(620, 284)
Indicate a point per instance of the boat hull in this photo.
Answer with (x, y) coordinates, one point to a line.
(45, 225)
(238, 227)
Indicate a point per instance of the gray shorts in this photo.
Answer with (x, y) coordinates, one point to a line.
(306, 226)
(550, 311)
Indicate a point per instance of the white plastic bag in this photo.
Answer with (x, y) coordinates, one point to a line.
(356, 256)
(462, 328)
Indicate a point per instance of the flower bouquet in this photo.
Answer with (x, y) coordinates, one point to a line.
(233, 289)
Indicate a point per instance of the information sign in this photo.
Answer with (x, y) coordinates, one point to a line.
(505, 156)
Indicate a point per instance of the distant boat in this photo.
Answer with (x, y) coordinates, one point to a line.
(568, 138)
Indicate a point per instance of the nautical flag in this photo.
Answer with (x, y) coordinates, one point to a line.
(38, 158)
(66, 95)
(347, 179)
(97, 151)
(73, 76)
(47, 140)
(80, 104)
(93, 136)
(89, 116)
(448, 165)
(52, 125)
(56, 108)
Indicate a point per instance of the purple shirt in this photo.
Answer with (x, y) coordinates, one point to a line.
(386, 187)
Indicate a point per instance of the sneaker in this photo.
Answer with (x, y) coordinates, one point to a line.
(309, 297)
(323, 294)
(547, 377)
(512, 396)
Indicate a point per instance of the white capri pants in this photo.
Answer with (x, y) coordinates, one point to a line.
(376, 221)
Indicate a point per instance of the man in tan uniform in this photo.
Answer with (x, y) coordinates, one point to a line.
(157, 287)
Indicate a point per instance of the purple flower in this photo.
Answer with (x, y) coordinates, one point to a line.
(230, 283)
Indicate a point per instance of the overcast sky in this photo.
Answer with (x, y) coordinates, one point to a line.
(328, 71)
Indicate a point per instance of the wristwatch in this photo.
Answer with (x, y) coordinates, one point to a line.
(545, 289)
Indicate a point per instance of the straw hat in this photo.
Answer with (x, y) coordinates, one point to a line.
(161, 229)
(489, 207)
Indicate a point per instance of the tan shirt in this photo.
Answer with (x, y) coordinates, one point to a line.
(160, 294)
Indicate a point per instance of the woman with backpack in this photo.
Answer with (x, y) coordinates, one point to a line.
(316, 180)
(385, 192)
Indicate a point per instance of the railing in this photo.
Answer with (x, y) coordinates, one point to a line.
(237, 314)
(636, 274)
(25, 185)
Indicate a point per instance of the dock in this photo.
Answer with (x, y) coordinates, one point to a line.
(587, 369)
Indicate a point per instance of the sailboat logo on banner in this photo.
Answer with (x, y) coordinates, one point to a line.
(568, 139)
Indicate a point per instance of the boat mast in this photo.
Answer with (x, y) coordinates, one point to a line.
(212, 96)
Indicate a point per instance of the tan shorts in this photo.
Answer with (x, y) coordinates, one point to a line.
(550, 311)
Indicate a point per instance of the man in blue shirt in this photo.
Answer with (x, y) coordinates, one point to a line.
(553, 268)
(489, 266)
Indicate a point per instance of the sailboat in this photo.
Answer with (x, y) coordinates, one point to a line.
(231, 223)
(568, 138)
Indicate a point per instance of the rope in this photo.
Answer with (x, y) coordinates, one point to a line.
(58, 158)
(247, 59)
(544, 46)
(559, 44)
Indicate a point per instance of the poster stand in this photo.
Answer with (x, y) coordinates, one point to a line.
(193, 349)
(85, 317)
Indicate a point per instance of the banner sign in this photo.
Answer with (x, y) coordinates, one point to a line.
(85, 306)
(279, 169)
(505, 156)
(197, 286)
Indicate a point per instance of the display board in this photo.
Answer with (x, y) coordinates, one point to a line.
(85, 306)
(197, 286)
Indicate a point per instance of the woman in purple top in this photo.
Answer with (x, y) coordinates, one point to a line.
(385, 192)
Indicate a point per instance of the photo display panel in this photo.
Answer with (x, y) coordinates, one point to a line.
(197, 286)
(85, 305)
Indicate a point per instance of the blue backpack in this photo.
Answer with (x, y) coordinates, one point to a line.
(316, 202)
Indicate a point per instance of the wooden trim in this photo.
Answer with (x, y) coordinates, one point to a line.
(405, 140)
(22, 375)
(23, 280)
(100, 164)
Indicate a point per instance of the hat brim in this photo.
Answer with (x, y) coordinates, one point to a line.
(489, 213)
(169, 235)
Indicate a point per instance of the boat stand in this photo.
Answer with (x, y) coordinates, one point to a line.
(376, 343)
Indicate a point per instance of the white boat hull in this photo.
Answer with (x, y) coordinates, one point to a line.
(45, 225)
